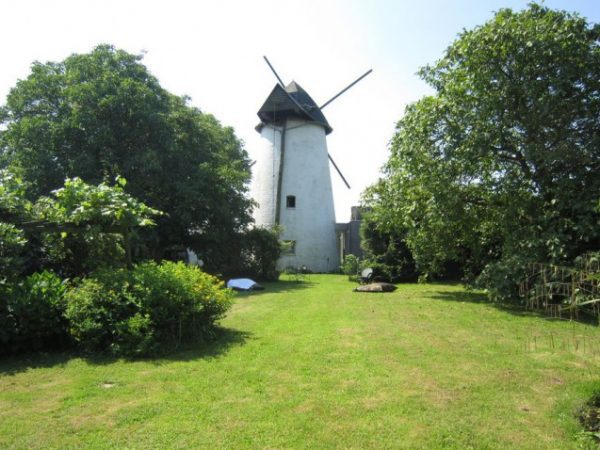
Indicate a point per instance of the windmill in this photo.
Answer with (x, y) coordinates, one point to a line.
(292, 182)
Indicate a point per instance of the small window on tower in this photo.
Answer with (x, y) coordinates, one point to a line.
(288, 247)
(290, 201)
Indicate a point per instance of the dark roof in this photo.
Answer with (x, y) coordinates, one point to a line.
(293, 101)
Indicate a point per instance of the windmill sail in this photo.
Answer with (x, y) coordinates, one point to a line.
(346, 88)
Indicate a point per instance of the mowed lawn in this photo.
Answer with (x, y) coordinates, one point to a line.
(315, 365)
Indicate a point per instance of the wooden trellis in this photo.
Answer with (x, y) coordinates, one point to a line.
(560, 290)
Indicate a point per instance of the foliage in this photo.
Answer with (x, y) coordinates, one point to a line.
(150, 308)
(13, 207)
(351, 267)
(100, 115)
(499, 167)
(76, 229)
(589, 415)
(12, 241)
(31, 314)
(104, 211)
(12, 197)
(314, 365)
(259, 254)
(386, 251)
(80, 203)
(560, 290)
(499, 277)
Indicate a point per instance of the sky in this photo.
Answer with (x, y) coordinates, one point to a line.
(212, 51)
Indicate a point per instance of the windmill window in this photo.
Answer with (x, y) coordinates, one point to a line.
(290, 201)
(289, 247)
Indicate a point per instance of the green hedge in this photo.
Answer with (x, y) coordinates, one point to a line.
(149, 309)
(32, 314)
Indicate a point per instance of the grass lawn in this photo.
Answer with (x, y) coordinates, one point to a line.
(314, 365)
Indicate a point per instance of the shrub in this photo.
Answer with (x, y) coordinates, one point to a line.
(351, 267)
(386, 251)
(96, 308)
(101, 220)
(8, 326)
(148, 309)
(32, 314)
(12, 241)
(260, 250)
(589, 415)
(501, 278)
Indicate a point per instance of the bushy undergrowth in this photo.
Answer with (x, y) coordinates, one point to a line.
(149, 309)
(259, 254)
(32, 314)
(143, 311)
(589, 416)
(386, 251)
(351, 266)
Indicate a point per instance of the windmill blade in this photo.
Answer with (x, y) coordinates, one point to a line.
(274, 72)
(345, 89)
(338, 171)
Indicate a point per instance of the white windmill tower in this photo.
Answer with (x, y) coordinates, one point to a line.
(292, 183)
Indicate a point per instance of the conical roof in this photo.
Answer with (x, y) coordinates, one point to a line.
(291, 102)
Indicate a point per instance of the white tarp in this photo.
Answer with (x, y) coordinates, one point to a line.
(242, 284)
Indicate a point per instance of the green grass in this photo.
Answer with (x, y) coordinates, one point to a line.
(314, 365)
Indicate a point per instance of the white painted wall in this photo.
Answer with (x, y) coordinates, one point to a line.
(306, 176)
(265, 173)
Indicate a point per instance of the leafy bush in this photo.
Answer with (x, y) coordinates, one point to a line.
(386, 251)
(589, 415)
(101, 221)
(78, 253)
(501, 278)
(260, 252)
(149, 308)
(79, 228)
(8, 327)
(12, 242)
(351, 266)
(32, 314)
(13, 207)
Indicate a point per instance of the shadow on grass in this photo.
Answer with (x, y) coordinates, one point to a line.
(517, 310)
(14, 364)
(278, 287)
(475, 297)
(463, 297)
(223, 340)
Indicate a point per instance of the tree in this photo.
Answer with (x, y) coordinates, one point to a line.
(75, 230)
(91, 213)
(385, 248)
(14, 209)
(260, 251)
(500, 166)
(78, 229)
(101, 115)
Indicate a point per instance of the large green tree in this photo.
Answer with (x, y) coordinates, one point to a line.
(101, 115)
(500, 166)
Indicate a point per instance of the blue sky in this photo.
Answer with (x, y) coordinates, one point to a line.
(212, 51)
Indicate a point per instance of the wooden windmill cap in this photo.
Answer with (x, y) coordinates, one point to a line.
(291, 102)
